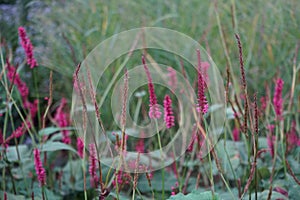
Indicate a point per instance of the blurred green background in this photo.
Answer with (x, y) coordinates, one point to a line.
(64, 32)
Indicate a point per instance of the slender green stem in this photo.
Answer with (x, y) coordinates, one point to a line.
(282, 147)
(211, 173)
(43, 192)
(256, 174)
(137, 110)
(6, 113)
(34, 74)
(163, 167)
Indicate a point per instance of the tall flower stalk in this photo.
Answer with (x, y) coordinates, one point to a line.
(154, 111)
(202, 106)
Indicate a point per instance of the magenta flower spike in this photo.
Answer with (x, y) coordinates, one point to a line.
(236, 134)
(80, 147)
(28, 48)
(154, 111)
(62, 119)
(168, 112)
(202, 102)
(93, 165)
(277, 99)
(40, 171)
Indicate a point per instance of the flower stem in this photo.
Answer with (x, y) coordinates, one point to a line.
(163, 169)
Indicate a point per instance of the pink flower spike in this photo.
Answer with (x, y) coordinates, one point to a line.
(80, 147)
(63, 121)
(202, 106)
(271, 128)
(15, 79)
(28, 48)
(93, 165)
(292, 137)
(205, 66)
(277, 99)
(264, 103)
(172, 78)
(236, 134)
(168, 117)
(40, 171)
(154, 111)
(33, 108)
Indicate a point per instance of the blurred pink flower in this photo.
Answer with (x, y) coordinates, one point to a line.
(19, 131)
(123, 178)
(270, 141)
(292, 137)
(172, 78)
(93, 166)
(15, 79)
(236, 134)
(28, 48)
(80, 147)
(264, 103)
(140, 146)
(271, 128)
(205, 66)
(33, 108)
(277, 99)
(63, 121)
(40, 171)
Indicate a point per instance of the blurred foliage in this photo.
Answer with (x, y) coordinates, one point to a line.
(268, 30)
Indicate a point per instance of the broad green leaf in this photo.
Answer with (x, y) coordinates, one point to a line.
(48, 193)
(264, 195)
(12, 153)
(52, 129)
(156, 182)
(55, 146)
(11, 196)
(196, 195)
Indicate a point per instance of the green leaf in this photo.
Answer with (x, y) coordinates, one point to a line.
(11, 196)
(55, 146)
(196, 194)
(264, 195)
(48, 193)
(113, 195)
(156, 182)
(12, 153)
(52, 129)
(264, 172)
